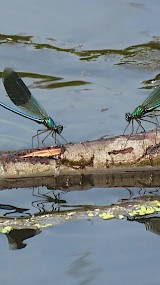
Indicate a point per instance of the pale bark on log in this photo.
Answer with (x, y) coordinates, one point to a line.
(111, 155)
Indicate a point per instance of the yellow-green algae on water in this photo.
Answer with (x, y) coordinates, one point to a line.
(8, 229)
(119, 212)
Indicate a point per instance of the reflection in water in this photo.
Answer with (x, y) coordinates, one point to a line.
(135, 192)
(16, 237)
(48, 202)
(143, 55)
(13, 210)
(50, 208)
(146, 191)
(80, 268)
(50, 84)
(152, 224)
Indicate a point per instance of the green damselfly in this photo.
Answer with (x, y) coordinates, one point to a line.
(147, 111)
(22, 97)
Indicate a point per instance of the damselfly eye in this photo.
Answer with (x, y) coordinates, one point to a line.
(59, 129)
(128, 117)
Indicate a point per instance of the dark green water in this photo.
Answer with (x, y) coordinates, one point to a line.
(88, 63)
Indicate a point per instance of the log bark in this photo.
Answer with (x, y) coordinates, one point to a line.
(138, 152)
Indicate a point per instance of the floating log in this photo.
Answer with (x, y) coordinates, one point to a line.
(110, 155)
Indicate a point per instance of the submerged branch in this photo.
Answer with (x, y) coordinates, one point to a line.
(140, 209)
(131, 209)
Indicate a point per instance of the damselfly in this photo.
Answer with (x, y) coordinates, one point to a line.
(22, 97)
(147, 111)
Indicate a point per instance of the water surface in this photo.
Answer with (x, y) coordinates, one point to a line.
(88, 63)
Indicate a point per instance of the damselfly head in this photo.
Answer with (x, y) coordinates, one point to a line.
(128, 117)
(58, 129)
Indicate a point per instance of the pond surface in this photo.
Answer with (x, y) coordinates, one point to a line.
(88, 63)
